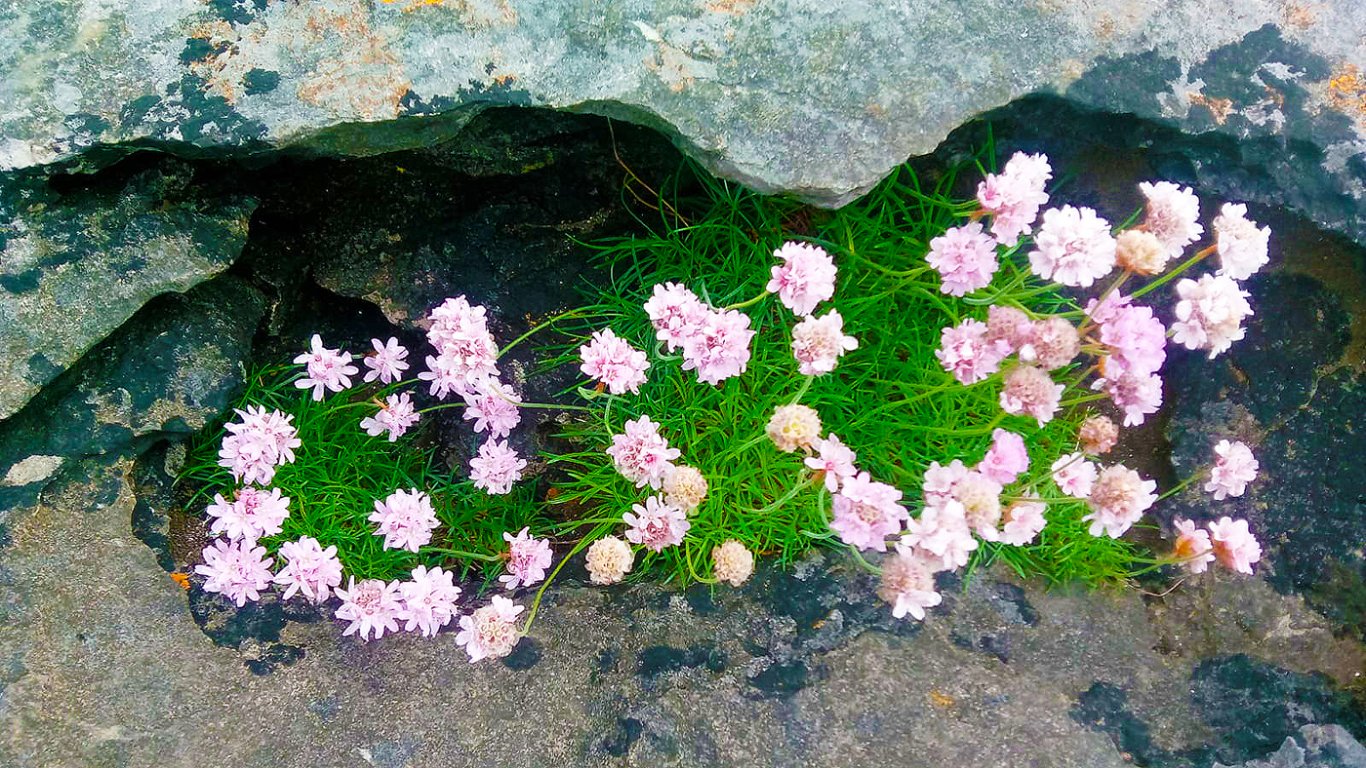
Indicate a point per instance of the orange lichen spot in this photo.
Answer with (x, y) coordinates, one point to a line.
(1347, 91)
(183, 579)
(942, 700)
(1299, 15)
(1218, 108)
(730, 7)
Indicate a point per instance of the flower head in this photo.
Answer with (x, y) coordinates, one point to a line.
(1009, 326)
(1139, 396)
(405, 519)
(1098, 435)
(974, 495)
(819, 342)
(1173, 216)
(1234, 545)
(1140, 252)
(1073, 247)
(238, 570)
(493, 406)
(466, 351)
(804, 279)
(496, 467)
(1006, 458)
(309, 569)
(942, 532)
(685, 488)
(387, 363)
(490, 632)
(609, 559)
(867, 512)
(327, 369)
(1119, 497)
(618, 365)
(718, 348)
(641, 454)
(965, 258)
(396, 417)
(1029, 391)
(1193, 549)
(1013, 196)
(252, 515)
(967, 353)
(908, 584)
(1242, 245)
(261, 441)
(1074, 475)
(794, 426)
(1022, 522)
(656, 524)
(834, 460)
(1136, 340)
(1234, 467)
(1051, 343)
(676, 314)
(1210, 313)
(528, 557)
(428, 600)
(732, 563)
(372, 606)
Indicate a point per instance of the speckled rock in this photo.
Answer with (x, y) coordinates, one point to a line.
(1315, 746)
(74, 265)
(783, 95)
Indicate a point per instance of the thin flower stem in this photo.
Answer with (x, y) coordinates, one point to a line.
(802, 390)
(464, 554)
(573, 313)
(864, 564)
(1181, 486)
(540, 593)
(747, 302)
(781, 500)
(1173, 274)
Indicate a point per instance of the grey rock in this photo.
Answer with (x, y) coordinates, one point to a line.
(1315, 746)
(75, 266)
(785, 95)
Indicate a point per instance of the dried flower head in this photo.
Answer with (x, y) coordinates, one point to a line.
(685, 488)
(794, 426)
(1052, 343)
(1098, 434)
(732, 563)
(609, 559)
(1140, 252)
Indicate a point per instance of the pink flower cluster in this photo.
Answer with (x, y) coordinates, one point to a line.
(1014, 196)
(327, 369)
(395, 417)
(493, 407)
(528, 558)
(641, 454)
(805, 278)
(965, 258)
(425, 604)
(1234, 467)
(1228, 541)
(387, 363)
(405, 519)
(656, 524)
(715, 343)
(254, 514)
(258, 443)
(465, 348)
(496, 467)
(309, 569)
(615, 363)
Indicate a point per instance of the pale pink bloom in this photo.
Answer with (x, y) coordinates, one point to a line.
(976, 495)
(1029, 391)
(685, 488)
(794, 426)
(1193, 549)
(1138, 396)
(309, 569)
(1136, 339)
(1073, 247)
(641, 454)
(965, 258)
(1119, 497)
(1173, 215)
(1104, 310)
(428, 600)
(248, 458)
(818, 343)
(388, 361)
(237, 570)
(455, 318)
(804, 279)
(940, 480)
(327, 369)
(942, 531)
(1210, 313)
(867, 512)
(965, 351)
(372, 606)
(528, 557)
(1023, 522)
(1241, 244)
(396, 417)
(1006, 458)
(1009, 326)
(719, 346)
(254, 446)
(445, 375)
(252, 515)
(1074, 475)
(609, 559)
(465, 348)
(835, 460)
(493, 407)
(676, 314)
(1013, 196)
(490, 632)
(1234, 545)
(1051, 343)
(609, 359)
(908, 584)
(1234, 467)
(469, 359)
(496, 467)
(656, 524)
(1098, 435)
(405, 519)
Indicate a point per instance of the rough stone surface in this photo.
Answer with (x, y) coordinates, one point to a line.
(766, 92)
(1315, 746)
(75, 266)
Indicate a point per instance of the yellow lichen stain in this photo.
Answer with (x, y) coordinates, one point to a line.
(1105, 26)
(368, 81)
(730, 7)
(473, 12)
(1347, 91)
(942, 700)
(1299, 15)
(1220, 109)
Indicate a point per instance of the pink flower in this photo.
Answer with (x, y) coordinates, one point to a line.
(309, 569)
(1074, 247)
(1173, 215)
(405, 519)
(941, 531)
(676, 314)
(1013, 196)
(428, 600)
(1024, 521)
(1029, 391)
(1234, 545)
(804, 279)
(656, 524)
(1009, 326)
(1193, 550)
(612, 361)
(1006, 458)
(965, 258)
(492, 405)
(818, 343)
(641, 454)
(1234, 467)
(496, 467)
(528, 557)
(1118, 499)
(387, 363)
(465, 348)
(395, 417)
(1098, 435)
(1241, 244)
(256, 445)
(908, 584)
(1105, 309)
(1210, 313)
(1051, 343)
(719, 346)
(867, 512)
(252, 515)
(490, 632)
(237, 570)
(1074, 475)
(965, 352)
(326, 369)
(974, 495)
(1137, 340)
(372, 606)
(1138, 396)
(835, 460)
(940, 480)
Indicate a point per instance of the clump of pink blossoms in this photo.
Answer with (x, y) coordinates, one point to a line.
(395, 417)
(965, 258)
(1013, 196)
(676, 313)
(528, 558)
(656, 524)
(1234, 467)
(1073, 247)
(940, 532)
(834, 460)
(405, 519)
(492, 406)
(309, 569)
(496, 467)
(428, 600)
(1173, 215)
(908, 585)
(804, 279)
(387, 362)
(372, 606)
(1022, 522)
(1119, 497)
(866, 512)
(1210, 313)
(1242, 246)
(1193, 550)
(1006, 459)
(252, 515)
(238, 570)
(491, 631)
(254, 446)
(1234, 545)
(718, 347)
(819, 342)
(327, 369)
(1074, 475)
(465, 349)
(966, 492)
(966, 352)
(615, 363)
(641, 454)
(1029, 391)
